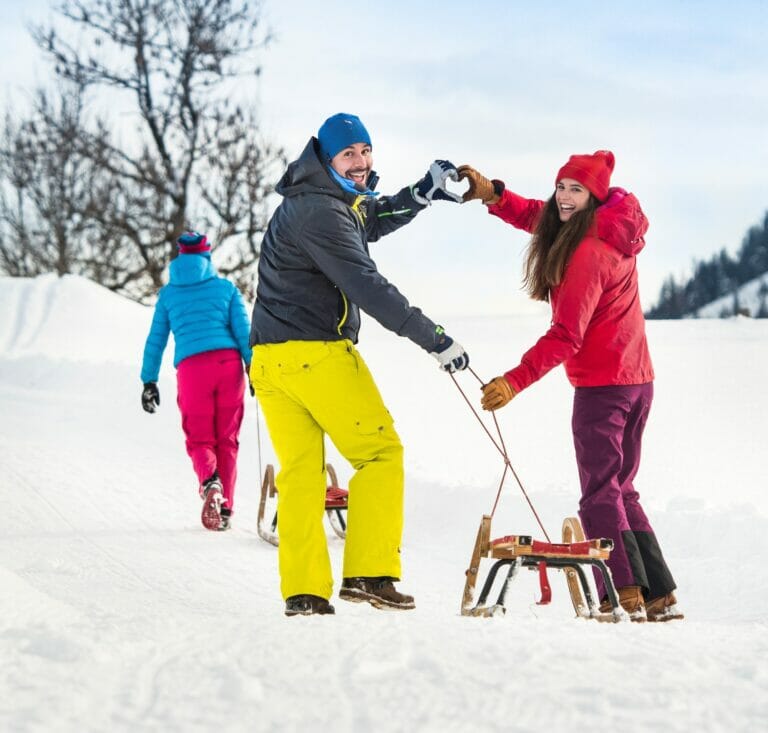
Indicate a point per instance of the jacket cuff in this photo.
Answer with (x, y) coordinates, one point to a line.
(420, 201)
(514, 383)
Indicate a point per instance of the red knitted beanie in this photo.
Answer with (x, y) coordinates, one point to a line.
(592, 171)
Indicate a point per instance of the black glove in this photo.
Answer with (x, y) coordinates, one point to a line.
(432, 186)
(449, 353)
(150, 397)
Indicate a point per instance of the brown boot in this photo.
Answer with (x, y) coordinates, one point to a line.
(379, 592)
(631, 600)
(663, 608)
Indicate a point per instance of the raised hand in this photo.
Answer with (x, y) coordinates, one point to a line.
(480, 187)
(433, 185)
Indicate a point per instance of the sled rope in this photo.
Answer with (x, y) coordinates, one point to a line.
(501, 448)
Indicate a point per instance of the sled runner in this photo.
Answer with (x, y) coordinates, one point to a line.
(522, 551)
(335, 505)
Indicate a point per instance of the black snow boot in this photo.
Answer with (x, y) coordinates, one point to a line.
(379, 592)
(226, 519)
(307, 605)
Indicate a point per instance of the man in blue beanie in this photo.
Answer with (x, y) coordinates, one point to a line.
(315, 273)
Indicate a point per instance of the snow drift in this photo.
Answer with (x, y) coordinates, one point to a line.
(119, 612)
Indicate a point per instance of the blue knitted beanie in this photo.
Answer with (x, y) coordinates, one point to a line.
(341, 131)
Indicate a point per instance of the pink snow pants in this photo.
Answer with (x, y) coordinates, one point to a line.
(211, 386)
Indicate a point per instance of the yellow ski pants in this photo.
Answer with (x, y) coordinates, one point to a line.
(307, 389)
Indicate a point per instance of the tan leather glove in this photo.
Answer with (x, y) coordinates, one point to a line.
(496, 393)
(479, 186)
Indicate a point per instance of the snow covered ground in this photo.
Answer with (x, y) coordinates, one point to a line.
(118, 612)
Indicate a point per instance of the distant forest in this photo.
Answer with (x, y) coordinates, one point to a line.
(714, 278)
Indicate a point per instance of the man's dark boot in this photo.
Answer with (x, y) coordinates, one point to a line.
(307, 605)
(379, 592)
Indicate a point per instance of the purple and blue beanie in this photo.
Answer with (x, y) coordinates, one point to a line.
(193, 243)
(341, 131)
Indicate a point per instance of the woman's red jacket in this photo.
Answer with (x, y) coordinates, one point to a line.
(598, 328)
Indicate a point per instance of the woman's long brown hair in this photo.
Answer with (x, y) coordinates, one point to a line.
(552, 245)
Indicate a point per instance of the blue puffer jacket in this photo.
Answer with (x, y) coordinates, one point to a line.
(205, 312)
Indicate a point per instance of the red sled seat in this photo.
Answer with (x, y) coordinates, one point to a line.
(336, 500)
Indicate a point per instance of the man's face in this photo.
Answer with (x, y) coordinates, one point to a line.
(354, 163)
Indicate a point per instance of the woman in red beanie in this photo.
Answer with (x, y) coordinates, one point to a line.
(581, 259)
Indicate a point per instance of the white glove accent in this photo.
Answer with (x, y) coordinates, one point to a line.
(453, 359)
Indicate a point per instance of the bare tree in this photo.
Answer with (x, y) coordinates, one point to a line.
(196, 160)
(51, 193)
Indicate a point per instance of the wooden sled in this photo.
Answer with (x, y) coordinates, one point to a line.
(335, 505)
(521, 551)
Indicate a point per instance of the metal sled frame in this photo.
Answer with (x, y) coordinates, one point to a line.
(521, 551)
(335, 505)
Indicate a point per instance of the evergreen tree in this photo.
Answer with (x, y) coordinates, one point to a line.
(762, 309)
(715, 278)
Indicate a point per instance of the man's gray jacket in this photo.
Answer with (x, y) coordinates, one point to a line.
(315, 271)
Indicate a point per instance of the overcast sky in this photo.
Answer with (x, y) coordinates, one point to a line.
(677, 90)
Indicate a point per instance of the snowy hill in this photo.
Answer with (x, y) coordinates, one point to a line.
(750, 299)
(120, 613)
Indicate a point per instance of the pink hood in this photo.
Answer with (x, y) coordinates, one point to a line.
(621, 222)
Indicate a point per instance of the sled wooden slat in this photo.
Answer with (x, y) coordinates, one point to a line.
(479, 551)
(336, 500)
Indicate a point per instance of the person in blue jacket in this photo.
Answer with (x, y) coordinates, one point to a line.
(210, 327)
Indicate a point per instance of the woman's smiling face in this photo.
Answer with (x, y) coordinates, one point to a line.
(570, 196)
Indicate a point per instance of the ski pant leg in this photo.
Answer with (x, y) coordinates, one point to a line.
(360, 426)
(660, 581)
(195, 398)
(599, 421)
(230, 390)
(639, 407)
(332, 382)
(304, 564)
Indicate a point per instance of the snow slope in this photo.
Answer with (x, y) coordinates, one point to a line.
(118, 612)
(750, 297)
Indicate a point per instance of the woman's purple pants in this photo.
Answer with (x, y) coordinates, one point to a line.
(608, 425)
